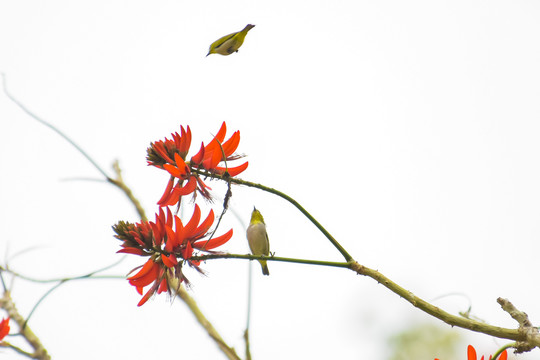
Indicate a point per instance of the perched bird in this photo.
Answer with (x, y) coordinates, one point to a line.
(258, 238)
(229, 43)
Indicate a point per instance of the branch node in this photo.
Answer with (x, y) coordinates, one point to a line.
(529, 335)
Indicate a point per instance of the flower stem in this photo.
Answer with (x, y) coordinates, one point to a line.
(501, 350)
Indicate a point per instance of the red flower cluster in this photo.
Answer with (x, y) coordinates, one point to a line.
(171, 155)
(471, 354)
(4, 328)
(168, 242)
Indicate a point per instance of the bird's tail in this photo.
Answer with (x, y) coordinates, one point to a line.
(264, 267)
(248, 27)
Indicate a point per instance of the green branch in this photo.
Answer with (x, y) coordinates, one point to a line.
(525, 334)
(452, 320)
(334, 242)
(272, 258)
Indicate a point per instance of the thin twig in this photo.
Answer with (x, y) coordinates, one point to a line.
(53, 128)
(501, 350)
(119, 182)
(246, 339)
(116, 182)
(63, 281)
(15, 348)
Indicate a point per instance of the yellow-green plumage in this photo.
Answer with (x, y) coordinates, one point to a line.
(258, 238)
(229, 43)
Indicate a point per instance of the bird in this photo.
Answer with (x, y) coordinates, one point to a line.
(258, 238)
(228, 44)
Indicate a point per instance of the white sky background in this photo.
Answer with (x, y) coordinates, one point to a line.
(408, 128)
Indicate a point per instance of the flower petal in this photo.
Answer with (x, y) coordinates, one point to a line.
(172, 199)
(130, 250)
(169, 221)
(171, 242)
(159, 147)
(167, 193)
(146, 296)
(212, 156)
(199, 157)
(178, 232)
(220, 136)
(180, 170)
(191, 226)
(187, 251)
(471, 353)
(182, 141)
(233, 171)
(169, 261)
(189, 187)
(158, 232)
(136, 237)
(4, 328)
(231, 145)
(147, 278)
(163, 286)
(214, 242)
(205, 225)
(147, 267)
(174, 171)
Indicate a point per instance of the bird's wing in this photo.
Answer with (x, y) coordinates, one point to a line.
(267, 243)
(223, 40)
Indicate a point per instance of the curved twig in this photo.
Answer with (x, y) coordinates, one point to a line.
(321, 228)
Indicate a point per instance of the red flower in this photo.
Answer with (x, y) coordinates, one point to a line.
(171, 156)
(217, 151)
(162, 152)
(169, 243)
(4, 328)
(471, 354)
(182, 172)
